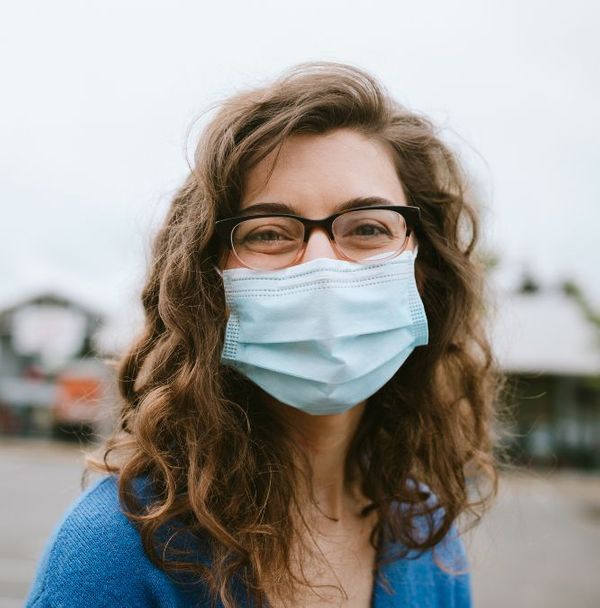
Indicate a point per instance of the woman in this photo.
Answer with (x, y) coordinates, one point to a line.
(313, 391)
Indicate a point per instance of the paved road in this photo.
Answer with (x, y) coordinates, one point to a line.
(538, 548)
(38, 480)
(540, 545)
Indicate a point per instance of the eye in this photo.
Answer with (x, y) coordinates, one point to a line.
(367, 229)
(266, 235)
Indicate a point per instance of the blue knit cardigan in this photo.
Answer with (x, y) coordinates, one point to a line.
(95, 559)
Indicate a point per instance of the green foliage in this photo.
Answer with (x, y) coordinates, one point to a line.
(528, 284)
(572, 290)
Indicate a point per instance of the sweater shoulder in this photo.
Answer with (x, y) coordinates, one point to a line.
(95, 556)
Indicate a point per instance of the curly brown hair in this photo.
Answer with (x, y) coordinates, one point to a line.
(220, 464)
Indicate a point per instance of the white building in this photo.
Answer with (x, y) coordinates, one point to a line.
(551, 353)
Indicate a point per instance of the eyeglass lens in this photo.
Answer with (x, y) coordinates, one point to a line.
(272, 242)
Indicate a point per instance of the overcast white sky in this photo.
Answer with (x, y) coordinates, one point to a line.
(97, 97)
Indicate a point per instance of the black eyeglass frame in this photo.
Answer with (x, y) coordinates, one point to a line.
(225, 227)
(412, 216)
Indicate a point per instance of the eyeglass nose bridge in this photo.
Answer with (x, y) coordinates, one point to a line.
(310, 225)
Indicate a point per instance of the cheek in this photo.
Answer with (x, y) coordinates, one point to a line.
(412, 241)
(231, 261)
(227, 260)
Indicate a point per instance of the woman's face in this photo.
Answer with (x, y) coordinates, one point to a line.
(315, 175)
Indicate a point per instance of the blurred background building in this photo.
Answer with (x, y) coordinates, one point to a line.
(53, 382)
(548, 344)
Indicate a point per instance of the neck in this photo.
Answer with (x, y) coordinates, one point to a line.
(325, 441)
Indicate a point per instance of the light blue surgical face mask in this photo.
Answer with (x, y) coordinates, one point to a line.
(324, 335)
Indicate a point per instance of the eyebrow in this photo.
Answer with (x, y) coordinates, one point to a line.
(353, 203)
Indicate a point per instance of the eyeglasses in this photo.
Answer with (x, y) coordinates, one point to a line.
(277, 240)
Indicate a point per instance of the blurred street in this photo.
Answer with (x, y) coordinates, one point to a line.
(538, 548)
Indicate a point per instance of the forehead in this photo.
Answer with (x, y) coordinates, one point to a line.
(315, 173)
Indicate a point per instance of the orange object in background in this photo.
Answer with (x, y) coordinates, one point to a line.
(78, 399)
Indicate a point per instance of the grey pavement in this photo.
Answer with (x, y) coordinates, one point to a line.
(539, 547)
(38, 480)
